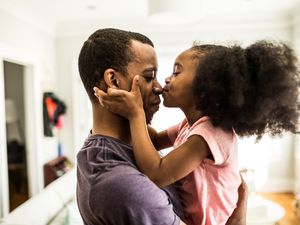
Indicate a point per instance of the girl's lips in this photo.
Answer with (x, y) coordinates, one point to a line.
(165, 89)
(164, 94)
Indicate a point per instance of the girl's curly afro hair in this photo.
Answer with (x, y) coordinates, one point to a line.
(252, 90)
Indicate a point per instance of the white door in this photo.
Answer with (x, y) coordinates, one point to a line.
(4, 199)
(33, 128)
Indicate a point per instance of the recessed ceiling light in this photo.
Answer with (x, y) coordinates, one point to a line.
(91, 7)
(175, 11)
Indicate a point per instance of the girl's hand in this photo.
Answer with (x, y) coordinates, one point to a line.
(239, 214)
(121, 102)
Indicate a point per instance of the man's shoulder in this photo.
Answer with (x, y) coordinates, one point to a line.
(99, 140)
(102, 147)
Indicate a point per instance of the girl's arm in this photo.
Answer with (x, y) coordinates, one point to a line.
(174, 166)
(162, 171)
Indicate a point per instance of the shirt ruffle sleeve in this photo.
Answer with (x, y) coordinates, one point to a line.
(217, 141)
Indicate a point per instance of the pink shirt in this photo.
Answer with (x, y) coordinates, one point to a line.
(209, 193)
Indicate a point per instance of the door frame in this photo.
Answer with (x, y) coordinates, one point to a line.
(33, 123)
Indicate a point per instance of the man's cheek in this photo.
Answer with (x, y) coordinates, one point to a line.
(143, 97)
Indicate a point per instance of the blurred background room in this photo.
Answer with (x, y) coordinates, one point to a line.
(45, 114)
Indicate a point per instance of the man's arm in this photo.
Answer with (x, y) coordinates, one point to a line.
(160, 140)
(238, 216)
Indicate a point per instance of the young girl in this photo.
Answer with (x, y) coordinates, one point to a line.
(223, 91)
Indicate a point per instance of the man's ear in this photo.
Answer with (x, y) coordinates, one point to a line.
(110, 78)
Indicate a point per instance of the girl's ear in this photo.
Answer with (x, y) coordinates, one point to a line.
(110, 78)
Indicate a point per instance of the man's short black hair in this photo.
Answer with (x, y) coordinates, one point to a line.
(106, 48)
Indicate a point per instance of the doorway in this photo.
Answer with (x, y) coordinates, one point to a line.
(14, 84)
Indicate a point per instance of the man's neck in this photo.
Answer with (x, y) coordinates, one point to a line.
(109, 124)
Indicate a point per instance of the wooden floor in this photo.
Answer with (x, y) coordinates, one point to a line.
(286, 200)
(18, 189)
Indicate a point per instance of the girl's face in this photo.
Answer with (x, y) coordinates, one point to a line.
(178, 89)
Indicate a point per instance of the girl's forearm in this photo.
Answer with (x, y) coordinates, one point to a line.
(147, 157)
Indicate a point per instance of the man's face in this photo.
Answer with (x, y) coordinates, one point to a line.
(144, 64)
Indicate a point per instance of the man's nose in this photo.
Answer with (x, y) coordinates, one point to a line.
(157, 88)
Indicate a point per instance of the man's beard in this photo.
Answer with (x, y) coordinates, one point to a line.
(149, 118)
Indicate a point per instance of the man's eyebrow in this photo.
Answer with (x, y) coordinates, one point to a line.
(150, 70)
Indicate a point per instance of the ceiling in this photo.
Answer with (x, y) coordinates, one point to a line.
(54, 12)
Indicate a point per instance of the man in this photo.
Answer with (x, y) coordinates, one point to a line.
(111, 189)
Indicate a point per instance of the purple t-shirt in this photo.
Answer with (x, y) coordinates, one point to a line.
(111, 190)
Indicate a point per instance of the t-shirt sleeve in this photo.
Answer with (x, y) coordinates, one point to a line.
(173, 132)
(218, 141)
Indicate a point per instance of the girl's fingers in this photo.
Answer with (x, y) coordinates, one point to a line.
(135, 84)
(115, 92)
(112, 106)
(118, 101)
(99, 93)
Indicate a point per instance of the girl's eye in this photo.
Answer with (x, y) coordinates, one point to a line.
(175, 70)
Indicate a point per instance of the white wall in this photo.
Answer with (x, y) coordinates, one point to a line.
(39, 45)
(24, 43)
(67, 53)
(295, 22)
(296, 41)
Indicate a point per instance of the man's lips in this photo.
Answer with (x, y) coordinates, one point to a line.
(156, 104)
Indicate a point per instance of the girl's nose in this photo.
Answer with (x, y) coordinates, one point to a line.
(167, 80)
